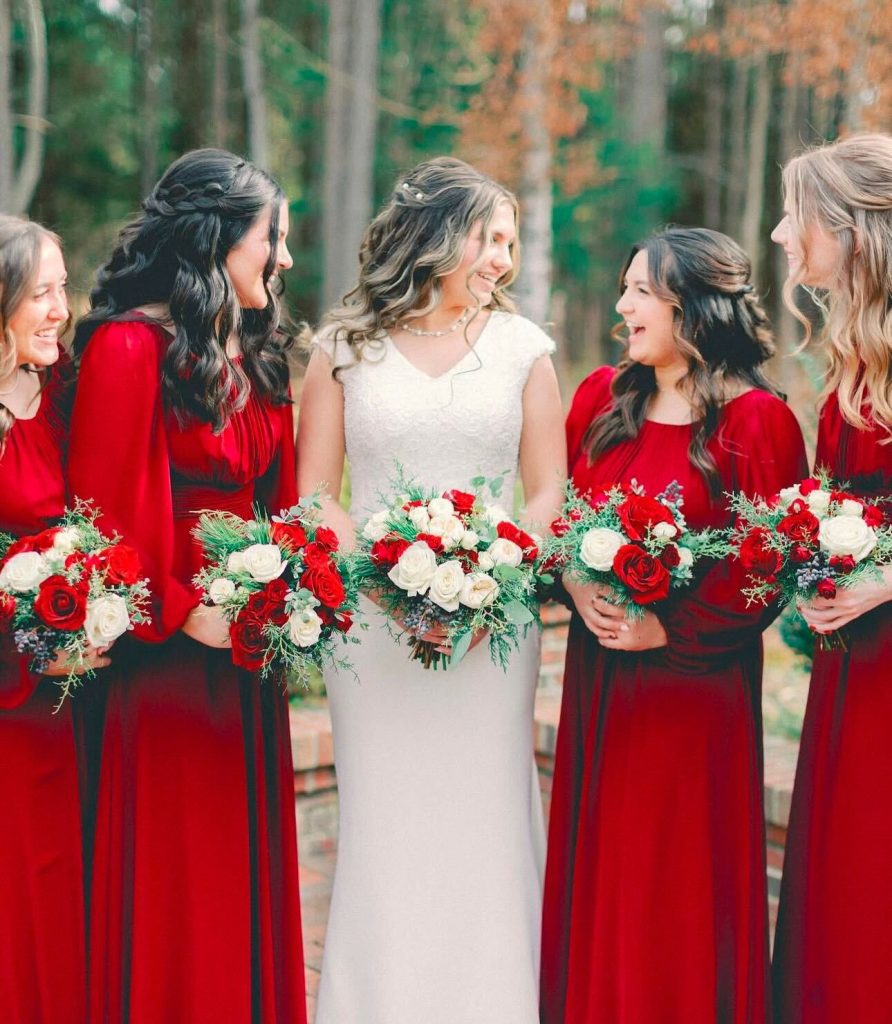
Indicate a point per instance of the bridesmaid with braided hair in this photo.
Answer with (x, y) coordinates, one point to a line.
(655, 891)
(182, 405)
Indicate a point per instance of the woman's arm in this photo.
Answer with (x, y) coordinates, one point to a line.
(543, 447)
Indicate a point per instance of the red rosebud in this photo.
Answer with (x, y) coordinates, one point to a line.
(641, 573)
(7, 611)
(461, 500)
(670, 557)
(122, 564)
(757, 556)
(61, 605)
(343, 621)
(522, 539)
(325, 583)
(268, 604)
(575, 514)
(386, 551)
(327, 538)
(800, 553)
(415, 503)
(842, 563)
(874, 516)
(560, 527)
(809, 485)
(433, 542)
(797, 506)
(799, 525)
(18, 547)
(827, 588)
(840, 496)
(639, 514)
(249, 645)
(315, 556)
(290, 536)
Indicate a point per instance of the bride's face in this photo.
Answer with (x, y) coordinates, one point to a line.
(486, 259)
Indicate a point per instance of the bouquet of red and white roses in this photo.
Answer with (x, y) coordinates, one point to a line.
(640, 547)
(449, 559)
(807, 541)
(282, 586)
(69, 588)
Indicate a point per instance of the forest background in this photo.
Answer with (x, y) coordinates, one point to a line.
(609, 119)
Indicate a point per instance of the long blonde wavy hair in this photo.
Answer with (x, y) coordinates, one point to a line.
(846, 189)
(417, 238)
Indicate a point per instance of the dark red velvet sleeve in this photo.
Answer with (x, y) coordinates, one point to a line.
(591, 399)
(118, 458)
(711, 622)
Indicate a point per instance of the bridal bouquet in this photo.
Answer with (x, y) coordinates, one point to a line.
(809, 540)
(281, 585)
(69, 588)
(640, 547)
(449, 559)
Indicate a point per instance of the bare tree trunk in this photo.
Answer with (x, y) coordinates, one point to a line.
(28, 174)
(712, 183)
(190, 78)
(785, 322)
(757, 136)
(6, 118)
(534, 284)
(149, 72)
(258, 138)
(220, 85)
(738, 148)
(350, 121)
(649, 92)
(857, 83)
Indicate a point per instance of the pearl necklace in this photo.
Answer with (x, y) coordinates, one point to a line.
(418, 332)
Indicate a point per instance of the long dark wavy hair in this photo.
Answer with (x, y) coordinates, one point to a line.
(21, 242)
(174, 253)
(720, 328)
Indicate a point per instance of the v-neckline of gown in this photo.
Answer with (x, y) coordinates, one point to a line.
(451, 369)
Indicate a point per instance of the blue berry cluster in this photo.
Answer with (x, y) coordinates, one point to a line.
(422, 616)
(810, 573)
(35, 642)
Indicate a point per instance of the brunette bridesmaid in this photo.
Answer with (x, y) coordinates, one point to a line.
(41, 876)
(183, 404)
(834, 936)
(655, 892)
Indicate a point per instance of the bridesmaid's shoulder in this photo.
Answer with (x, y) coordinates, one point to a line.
(759, 412)
(127, 342)
(594, 391)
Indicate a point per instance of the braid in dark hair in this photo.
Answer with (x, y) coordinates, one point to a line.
(175, 253)
(720, 328)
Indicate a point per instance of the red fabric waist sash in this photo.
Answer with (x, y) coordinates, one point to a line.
(191, 499)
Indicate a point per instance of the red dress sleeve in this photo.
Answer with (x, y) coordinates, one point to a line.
(277, 488)
(760, 450)
(118, 458)
(593, 396)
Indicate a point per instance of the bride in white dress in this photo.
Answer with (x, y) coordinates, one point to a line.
(436, 904)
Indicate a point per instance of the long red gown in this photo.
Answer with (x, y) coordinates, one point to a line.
(655, 891)
(195, 913)
(41, 874)
(833, 949)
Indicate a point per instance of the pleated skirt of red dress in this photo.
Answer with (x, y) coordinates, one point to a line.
(195, 911)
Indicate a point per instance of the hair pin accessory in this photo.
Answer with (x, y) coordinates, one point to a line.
(420, 196)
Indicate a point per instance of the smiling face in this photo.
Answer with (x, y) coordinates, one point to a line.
(649, 319)
(485, 261)
(814, 255)
(247, 260)
(42, 314)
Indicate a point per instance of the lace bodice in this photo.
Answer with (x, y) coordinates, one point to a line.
(443, 430)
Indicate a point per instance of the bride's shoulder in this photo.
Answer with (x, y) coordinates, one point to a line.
(519, 339)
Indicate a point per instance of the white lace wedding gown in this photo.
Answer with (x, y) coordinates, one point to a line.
(436, 905)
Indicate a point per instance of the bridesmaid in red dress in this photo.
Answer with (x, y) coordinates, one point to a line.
(655, 891)
(833, 950)
(41, 873)
(182, 404)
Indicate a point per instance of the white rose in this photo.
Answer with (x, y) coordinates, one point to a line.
(505, 552)
(850, 507)
(478, 590)
(446, 585)
(469, 540)
(599, 547)
(376, 527)
(304, 627)
(25, 571)
(236, 562)
(485, 562)
(818, 502)
(495, 514)
(788, 495)
(221, 590)
(667, 530)
(685, 556)
(846, 535)
(419, 518)
(67, 540)
(415, 569)
(106, 619)
(449, 528)
(440, 507)
(263, 562)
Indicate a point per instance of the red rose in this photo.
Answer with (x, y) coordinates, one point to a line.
(522, 539)
(463, 502)
(809, 485)
(639, 514)
(386, 552)
(827, 588)
(290, 536)
(248, 641)
(415, 503)
(800, 525)
(269, 604)
(560, 527)
(757, 556)
(60, 605)
(7, 611)
(18, 547)
(575, 514)
(343, 622)
(433, 542)
(642, 573)
(327, 538)
(842, 563)
(800, 553)
(326, 584)
(670, 557)
(315, 556)
(122, 564)
(840, 496)
(874, 515)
